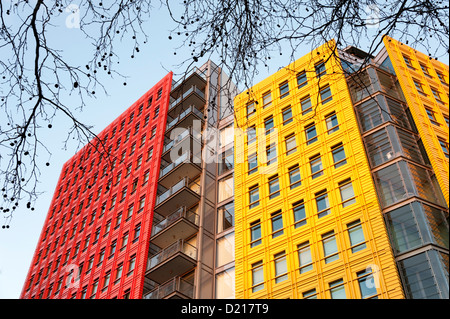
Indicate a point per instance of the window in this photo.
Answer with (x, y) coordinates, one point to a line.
(251, 135)
(419, 87)
(159, 94)
(330, 247)
(332, 123)
(322, 204)
(436, 95)
(94, 289)
(310, 294)
(225, 249)
(106, 281)
(299, 214)
(252, 163)
(226, 160)
(131, 265)
(119, 271)
(274, 187)
(124, 241)
(366, 283)
(254, 196)
(325, 94)
(441, 78)
(156, 112)
(145, 178)
(431, 116)
(225, 217)
(255, 233)
(320, 69)
(149, 102)
(257, 276)
(338, 155)
(225, 188)
(269, 125)
(271, 152)
(311, 134)
(337, 289)
(291, 145)
(304, 257)
(302, 80)
(141, 203)
(251, 109)
(267, 99)
(347, 193)
(408, 62)
(137, 232)
(153, 133)
(425, 70)
(315, 163)
(277, 224)
(306, 105)
(287, 115)
(447, 120)
(225, 284)
(444, 147)
(226, 135)
(284, 89)
(280, 267)
(356, 235)
(294, 176)
(150, 153)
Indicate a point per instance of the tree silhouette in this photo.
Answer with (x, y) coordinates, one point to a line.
(242, 36)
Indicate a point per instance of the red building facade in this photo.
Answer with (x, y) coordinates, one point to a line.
(95, 239)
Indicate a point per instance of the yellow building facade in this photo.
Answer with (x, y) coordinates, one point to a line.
(307, 220)
(424, 82)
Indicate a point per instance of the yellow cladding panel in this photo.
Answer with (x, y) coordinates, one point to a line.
(340, 188)
(424, 82)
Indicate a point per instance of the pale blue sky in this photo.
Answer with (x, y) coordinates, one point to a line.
(18, 243)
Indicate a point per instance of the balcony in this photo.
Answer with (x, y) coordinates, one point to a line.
(194, 77)
(176, 288)
(179, 225)
(189, 139)
(187, 165)
(193, 96)
(172, 261)
(184, 193)
(185, 119)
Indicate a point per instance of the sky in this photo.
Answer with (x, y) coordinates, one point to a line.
(17, 244)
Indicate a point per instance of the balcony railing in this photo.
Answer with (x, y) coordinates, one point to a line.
(190, 109)
(194, 89)
(180, 137)
(178, 247)
(182, 212)
(175, 285)
(187, 157)
(196, 70)
(185, 182)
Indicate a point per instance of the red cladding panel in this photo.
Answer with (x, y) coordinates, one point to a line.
(99, 222)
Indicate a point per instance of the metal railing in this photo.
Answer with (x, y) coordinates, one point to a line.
(185, 182)
(188, 131)
(181, 212)
(182, 115)
(176, 284)
(187, 157)
(196, 70)
(177, 247)
(193, 88)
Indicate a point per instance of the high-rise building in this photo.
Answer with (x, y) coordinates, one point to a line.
(340, 169)
(134, 211)
(328, 179)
